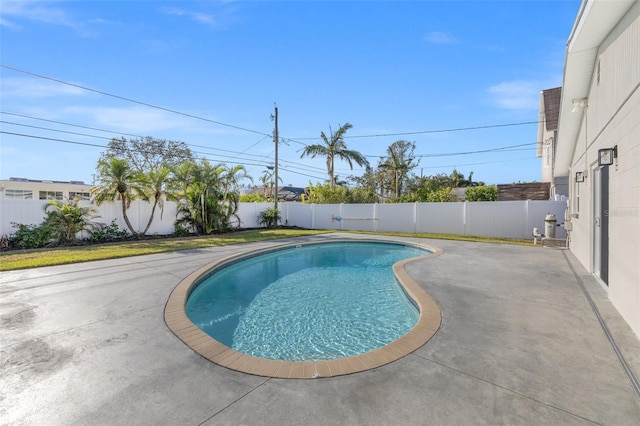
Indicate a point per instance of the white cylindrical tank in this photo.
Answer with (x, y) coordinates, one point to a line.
(550, 225)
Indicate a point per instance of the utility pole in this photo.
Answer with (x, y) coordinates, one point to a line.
(275, 140)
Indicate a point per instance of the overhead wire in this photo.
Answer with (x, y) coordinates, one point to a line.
(265, 135)
(295, 140)
(173, 111)
(286, 168)
(237, 155)
(422, 132)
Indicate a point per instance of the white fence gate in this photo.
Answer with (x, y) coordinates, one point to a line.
(503, 219)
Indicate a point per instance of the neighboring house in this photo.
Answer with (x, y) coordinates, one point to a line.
(290, 193)
(598, 147)
(31, 189)
(285, 193)
(547, 136)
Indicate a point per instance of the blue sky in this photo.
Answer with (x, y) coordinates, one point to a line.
(394, 70)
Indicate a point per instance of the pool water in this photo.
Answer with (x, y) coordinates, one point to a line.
(313, 302)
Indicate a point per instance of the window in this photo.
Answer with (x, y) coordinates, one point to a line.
(84, 196)
(18, 194)
(50, 195)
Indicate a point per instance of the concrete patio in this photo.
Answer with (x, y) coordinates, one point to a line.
(520, 343)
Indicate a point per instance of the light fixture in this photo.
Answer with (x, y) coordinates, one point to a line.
(579, 177)
(606, 156)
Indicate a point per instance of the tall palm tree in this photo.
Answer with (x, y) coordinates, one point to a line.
(154, 185)
(399, 162)
(335, 146)
(117, 183)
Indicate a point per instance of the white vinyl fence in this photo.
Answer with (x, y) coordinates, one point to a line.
(504, 219)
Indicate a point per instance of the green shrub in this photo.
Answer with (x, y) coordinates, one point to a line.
(269, 217)
(32, 236)
(482, 193)
(181, 231)
(252, 198)
(111, 232)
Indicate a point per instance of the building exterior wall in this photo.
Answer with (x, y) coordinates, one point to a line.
(546, 139)
(612, 118)
(27, 189)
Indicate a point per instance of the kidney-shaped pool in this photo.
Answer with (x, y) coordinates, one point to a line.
(328, 308)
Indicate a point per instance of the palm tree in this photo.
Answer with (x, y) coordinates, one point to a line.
(117, 183)
(211, 197)
(267, 183)
(399, 162)
(335, 146)
(154, 185)
(181, 177)
(68, 218)
(230, 179)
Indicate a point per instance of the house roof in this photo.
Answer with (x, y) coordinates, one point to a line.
(596, 19)
(551, 108)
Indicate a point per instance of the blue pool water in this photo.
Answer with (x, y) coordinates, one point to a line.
(313, 302)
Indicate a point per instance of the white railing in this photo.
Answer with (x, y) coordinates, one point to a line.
(503, 219)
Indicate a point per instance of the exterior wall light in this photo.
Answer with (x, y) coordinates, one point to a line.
(607, 156)
(579, 177)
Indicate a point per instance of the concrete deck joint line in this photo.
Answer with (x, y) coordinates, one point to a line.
(627, 369)
(506, 389)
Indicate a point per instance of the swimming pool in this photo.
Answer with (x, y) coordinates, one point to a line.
(311, 302)
(246, 330)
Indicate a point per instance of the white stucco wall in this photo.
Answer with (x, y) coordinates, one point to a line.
(612, 118)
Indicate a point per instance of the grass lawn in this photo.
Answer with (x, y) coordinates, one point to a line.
(23, 259)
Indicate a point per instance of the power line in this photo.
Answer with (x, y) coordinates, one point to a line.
(286, 168)
(55, 130)
(133, 100)
(236, 156)
(69, 124)
(477, 164)
(422, 132)
(294, 140)
(451, 154)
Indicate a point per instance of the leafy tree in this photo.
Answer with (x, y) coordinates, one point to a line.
(117, 182)
(325, 194)
(332, 147)
(400, 160)
(252, 198)
(440, 195)
(482, 193)
(67, 218)
(145, 154)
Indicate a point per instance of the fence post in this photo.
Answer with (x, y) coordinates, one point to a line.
(464, 217)
(313, 217)
(526, 216)
(342, 216)
(375, 217)
(415, 217)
